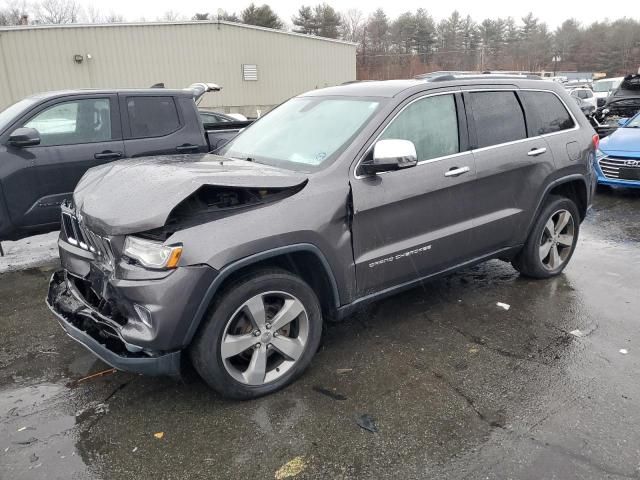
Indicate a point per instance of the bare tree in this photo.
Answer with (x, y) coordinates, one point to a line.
(114, 18)
(57, 12)
(171, 16)
(352, 25)
(92, 15)
(14, 13)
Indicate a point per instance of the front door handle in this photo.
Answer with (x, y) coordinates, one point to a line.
(456, 171)
(107, 155)
(187, 148)
(534, 152)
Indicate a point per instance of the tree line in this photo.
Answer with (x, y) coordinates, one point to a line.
(414, 42)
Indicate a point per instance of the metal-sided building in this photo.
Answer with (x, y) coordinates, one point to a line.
(257, 67)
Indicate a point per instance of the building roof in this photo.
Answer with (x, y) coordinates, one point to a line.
(151, 24)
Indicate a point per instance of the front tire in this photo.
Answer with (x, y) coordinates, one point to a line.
(260, 336)
(552, 240)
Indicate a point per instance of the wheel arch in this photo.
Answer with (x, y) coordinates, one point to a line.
(305, 260)
(573, 187)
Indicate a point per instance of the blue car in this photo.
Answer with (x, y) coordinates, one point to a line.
(618, 157)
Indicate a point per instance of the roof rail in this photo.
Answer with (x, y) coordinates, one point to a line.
(496, 76)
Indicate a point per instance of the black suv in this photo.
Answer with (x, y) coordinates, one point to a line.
(338, 197)
(49, 140)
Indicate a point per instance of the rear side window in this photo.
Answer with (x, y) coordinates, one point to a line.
(431, 123)
(498, 118)
(545, 113)
(152, 116)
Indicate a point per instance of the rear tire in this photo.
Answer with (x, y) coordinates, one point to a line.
(261, 334)
(552, 240)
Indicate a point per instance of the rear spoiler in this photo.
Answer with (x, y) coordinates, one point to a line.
(199, 89)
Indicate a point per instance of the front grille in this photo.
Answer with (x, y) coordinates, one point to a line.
(620, 168)
(80, 236)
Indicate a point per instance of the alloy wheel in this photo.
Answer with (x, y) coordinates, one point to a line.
(557, 240)
(264, 338)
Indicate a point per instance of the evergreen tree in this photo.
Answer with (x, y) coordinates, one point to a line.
(305, 21)
(262, 16)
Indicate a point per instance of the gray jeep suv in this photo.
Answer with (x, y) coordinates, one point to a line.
(336, 198)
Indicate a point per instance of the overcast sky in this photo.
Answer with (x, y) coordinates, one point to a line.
(551, 11)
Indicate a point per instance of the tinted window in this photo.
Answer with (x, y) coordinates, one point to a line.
(77, 121)
(545, 112)
(431, 124)
(152, 116)
(498, 118)
(211, 118)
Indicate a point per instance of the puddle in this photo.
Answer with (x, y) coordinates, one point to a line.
(37, 434)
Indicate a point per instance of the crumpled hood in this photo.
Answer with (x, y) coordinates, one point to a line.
(136, 195)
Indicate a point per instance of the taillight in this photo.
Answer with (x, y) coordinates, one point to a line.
(596, 141)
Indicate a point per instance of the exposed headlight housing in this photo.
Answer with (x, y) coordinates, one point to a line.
(152, 254)
(599, 154)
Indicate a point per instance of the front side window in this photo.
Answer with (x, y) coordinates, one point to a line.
(498, 118)
(431, 123)
(152, 116)
(304, 133)
(546, 113)
(74, 122)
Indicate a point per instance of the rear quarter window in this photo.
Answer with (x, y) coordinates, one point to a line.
(545, 113)
(498, 118)
(152, 116)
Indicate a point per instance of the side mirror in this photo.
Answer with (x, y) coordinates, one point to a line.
(24, 137)
(390, 154)
(622, 122)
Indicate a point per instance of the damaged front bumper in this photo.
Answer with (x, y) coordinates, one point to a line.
(100, 334)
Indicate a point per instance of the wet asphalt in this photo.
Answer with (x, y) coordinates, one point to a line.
(456, 386)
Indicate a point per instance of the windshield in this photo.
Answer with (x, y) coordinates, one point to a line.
(303, 133)
(603, 86)
(634, 122)
(9, 115)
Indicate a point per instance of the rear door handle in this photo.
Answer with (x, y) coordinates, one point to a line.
(187, 148)
(536, 151)
(456, 172)
(107, 155)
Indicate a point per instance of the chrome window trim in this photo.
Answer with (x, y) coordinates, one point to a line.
(420, 162)
(576, 126)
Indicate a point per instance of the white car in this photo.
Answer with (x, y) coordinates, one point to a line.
(605, 87)
(585, 94)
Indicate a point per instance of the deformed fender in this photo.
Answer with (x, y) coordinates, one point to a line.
(246, 261)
